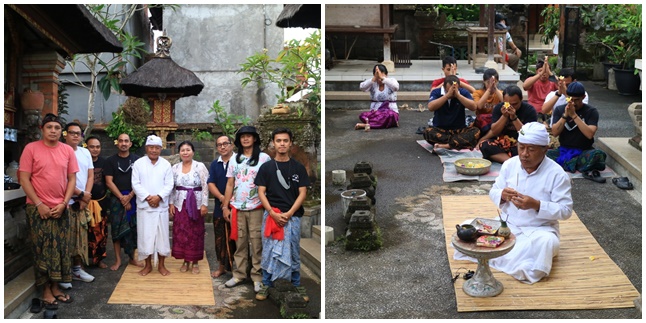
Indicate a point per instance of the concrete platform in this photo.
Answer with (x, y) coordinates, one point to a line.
(421, 70)
(625, 160)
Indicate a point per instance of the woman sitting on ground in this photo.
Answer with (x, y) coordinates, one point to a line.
(383, 94)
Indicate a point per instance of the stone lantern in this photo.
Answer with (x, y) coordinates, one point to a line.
(161, 82)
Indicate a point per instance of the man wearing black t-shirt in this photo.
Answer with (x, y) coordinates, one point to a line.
(500, 143)
(122, 210)
(576, 123)
(282, 187)
(98, 231)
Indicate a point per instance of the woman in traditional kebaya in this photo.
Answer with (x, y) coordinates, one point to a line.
(188, 206)
(383, 94)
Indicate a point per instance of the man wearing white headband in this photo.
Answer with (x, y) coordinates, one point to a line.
(533, 193)
(152, 182)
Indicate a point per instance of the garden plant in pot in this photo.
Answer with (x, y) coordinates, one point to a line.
(624, 45)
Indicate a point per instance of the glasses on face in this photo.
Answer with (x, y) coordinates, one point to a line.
(74, 133)
(223, 145)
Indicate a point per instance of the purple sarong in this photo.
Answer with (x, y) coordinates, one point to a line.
(381, 118)
(191, 203)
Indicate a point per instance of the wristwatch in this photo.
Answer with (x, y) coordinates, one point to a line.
(558, 95)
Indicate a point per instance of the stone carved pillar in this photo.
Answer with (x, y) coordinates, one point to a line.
(307, 138)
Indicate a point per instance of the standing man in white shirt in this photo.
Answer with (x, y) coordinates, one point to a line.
(152, 182)
(78, 205)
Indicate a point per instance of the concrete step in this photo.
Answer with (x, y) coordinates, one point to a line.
(625, 160)
(18, 294)
(316, 233)
(311, 255)
(365, 96)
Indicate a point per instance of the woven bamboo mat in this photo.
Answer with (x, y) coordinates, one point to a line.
(576, 281)
(175, 289)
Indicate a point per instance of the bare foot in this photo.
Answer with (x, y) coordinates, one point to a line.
(217, 273)
(145, 271)
(116, 265)
(358, 126)
(163, 270)
(102, 265)
(136, 263)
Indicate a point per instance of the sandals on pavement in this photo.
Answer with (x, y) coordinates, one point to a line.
(623, 183)
(594, 176)
(64, 298)
(184, 267)
(53, 305)
(36, 305)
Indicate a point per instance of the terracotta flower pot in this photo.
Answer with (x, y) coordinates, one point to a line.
(32, 100)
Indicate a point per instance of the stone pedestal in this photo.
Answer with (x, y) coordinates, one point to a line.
(635, 112)
(17, 254)
(302, 120)
(612, 84)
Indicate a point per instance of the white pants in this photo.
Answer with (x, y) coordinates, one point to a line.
(152, 233)
(531, 258)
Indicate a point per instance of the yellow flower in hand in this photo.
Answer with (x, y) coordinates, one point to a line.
(116, 142)
(84, 145)
(64, 133)
(561, 78)
(568, 99)
(454, 82)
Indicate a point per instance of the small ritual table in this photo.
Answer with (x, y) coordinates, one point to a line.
(483, 284)
(473, 33)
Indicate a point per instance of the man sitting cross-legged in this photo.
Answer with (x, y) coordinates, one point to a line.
(499, 144)
(575, 123)
(534, 194)
(449, 130)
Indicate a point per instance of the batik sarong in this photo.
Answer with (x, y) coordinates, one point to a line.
(282, 257)
(381, 118)
(123, 224)
(49, 241)
(79, 219)
(578, 160)
(456, 138)
(225, 248)
(188, 236)
(97, 237)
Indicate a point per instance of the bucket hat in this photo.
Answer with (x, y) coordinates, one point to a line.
(249, 130)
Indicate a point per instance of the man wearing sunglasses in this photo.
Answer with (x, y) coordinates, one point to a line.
(282, 187)
(122, 211)
(575, 123)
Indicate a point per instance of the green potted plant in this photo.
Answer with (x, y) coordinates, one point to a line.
(624, 44)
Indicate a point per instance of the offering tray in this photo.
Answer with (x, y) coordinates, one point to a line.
(482, 225)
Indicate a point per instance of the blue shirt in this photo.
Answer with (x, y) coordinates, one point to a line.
(451, 115)
(218, 176)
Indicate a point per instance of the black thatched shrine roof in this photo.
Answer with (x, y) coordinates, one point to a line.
(300, 15)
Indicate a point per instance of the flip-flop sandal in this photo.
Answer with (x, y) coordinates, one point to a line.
(623, 183)
(36, 305)
(64, 298)
(195, 270)
(594, 176)
(184, 267)
(53, 305)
